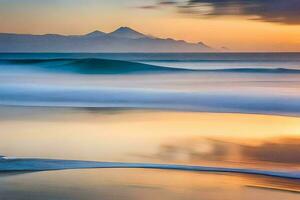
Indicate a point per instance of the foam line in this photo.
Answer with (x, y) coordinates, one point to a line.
(28, 164)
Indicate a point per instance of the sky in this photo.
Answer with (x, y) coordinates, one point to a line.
(239, 25)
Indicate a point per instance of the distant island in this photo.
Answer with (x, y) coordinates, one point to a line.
(124, 39)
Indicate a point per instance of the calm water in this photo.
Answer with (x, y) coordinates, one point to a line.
(235, 111)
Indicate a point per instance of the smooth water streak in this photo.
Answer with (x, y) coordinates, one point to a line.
(206, 101)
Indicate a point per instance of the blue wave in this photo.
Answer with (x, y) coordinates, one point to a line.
(27, 164)
(89, 66)
(104, 66)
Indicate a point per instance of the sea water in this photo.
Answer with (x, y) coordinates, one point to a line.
(178, 126)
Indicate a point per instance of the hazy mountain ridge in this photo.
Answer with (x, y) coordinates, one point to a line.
(123, 39)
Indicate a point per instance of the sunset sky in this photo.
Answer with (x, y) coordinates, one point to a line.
(240, 25)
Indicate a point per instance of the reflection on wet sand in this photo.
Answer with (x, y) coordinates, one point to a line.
(128, 135)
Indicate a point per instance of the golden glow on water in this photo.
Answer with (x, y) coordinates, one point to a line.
(151, 136)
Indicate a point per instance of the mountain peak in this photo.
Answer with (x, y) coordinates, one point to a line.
(126, 32)
(125, 28)
(95, 34)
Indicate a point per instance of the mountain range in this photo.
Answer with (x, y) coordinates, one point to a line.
(123, 39)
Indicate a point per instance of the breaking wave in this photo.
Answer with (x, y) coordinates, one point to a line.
(104, 66)
(28, 164)
(88, 66)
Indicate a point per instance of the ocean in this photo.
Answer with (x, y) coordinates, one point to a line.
(244, 83)
(219, 125)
